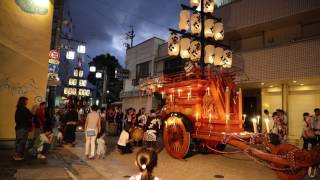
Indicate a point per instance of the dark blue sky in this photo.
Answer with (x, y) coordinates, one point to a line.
(103, 23)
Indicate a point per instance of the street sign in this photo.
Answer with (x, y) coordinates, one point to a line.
(121, 73)
(54, 57)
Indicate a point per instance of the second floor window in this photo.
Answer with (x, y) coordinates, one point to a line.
(142, 70)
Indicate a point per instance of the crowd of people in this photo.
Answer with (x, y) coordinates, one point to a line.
(39, 132)
(278, 123)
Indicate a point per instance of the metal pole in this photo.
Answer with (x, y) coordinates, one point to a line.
(104, 89)
(202, 39)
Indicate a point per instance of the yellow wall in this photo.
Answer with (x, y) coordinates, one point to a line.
(24, 46)
(300, 99)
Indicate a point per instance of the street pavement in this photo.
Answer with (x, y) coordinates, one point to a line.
(60, 164)
(199, 166)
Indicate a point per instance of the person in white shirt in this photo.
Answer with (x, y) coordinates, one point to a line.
(307, 133)
(266, 115)
(124, 141)
(92, 128)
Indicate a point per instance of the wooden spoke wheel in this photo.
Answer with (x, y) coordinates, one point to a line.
(176, 138)
(291, 173)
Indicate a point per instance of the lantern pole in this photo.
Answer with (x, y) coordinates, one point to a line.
(202, 39)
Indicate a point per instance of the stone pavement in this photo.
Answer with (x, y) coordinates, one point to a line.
(199, 166)
(61, 164)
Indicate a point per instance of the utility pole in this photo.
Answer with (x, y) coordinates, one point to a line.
(130, 35)
(57, 24)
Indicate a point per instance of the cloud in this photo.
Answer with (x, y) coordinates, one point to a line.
(103, 23)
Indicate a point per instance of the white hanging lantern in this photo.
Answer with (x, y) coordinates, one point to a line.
(98, 75)
(218, 56)
(81, 49)
(194, 3)
(195, 51)
(72, 82)
(92, 69)
(227, 59)
(185, 48)
(208, 6)
(195, 23)
(65, 91)
(173, 45)
(80, 73)
(209, 28)
(184, 20)
(209, 54)
(76, 72)
(70, 55)
(218, 31)
(82, 82)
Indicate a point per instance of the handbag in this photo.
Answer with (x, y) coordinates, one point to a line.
(91, 132)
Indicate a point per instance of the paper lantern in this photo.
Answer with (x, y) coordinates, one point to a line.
(194, 3)
(72, 82)
(70, 55)
(184, 20)
(209, 28)
(80, 73)
(195, 50)
(173, 45)
(227, 59)
(65, 91)
(218, 31)
(81, 49)
(98, 75)
(75, 72)
(195, 23)
(185, 48)
(82, 82)
(92, 69)
(209, 54)
(208, 6)
(218, 56)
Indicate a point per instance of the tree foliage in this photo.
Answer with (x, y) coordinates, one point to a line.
(109, 63)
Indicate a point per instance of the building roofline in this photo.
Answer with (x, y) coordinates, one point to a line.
(146, 41)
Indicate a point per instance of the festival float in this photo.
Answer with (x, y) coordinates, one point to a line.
(203, 105)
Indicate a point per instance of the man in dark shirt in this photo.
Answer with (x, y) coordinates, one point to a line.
(71, 119)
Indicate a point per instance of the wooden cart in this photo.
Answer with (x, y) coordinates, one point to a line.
(208, 111)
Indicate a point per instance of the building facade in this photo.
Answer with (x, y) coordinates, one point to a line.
(276, 48)
(25, 34)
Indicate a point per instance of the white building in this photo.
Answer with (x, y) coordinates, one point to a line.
(276, 46)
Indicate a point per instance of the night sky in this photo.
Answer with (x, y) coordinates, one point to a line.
(103, 23)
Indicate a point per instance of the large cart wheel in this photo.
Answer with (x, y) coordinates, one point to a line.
(176, 138)
(291, 173)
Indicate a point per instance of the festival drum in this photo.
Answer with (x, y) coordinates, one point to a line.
(137, 134)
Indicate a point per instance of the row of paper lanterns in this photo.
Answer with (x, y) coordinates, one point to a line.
(73, 91)
(208, 5)
(212, 28)
(74, 82)
(192, 50)
(71, 54)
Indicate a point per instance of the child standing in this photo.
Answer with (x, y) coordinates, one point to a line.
(101, 148)
(146, 160)
(124, 141)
